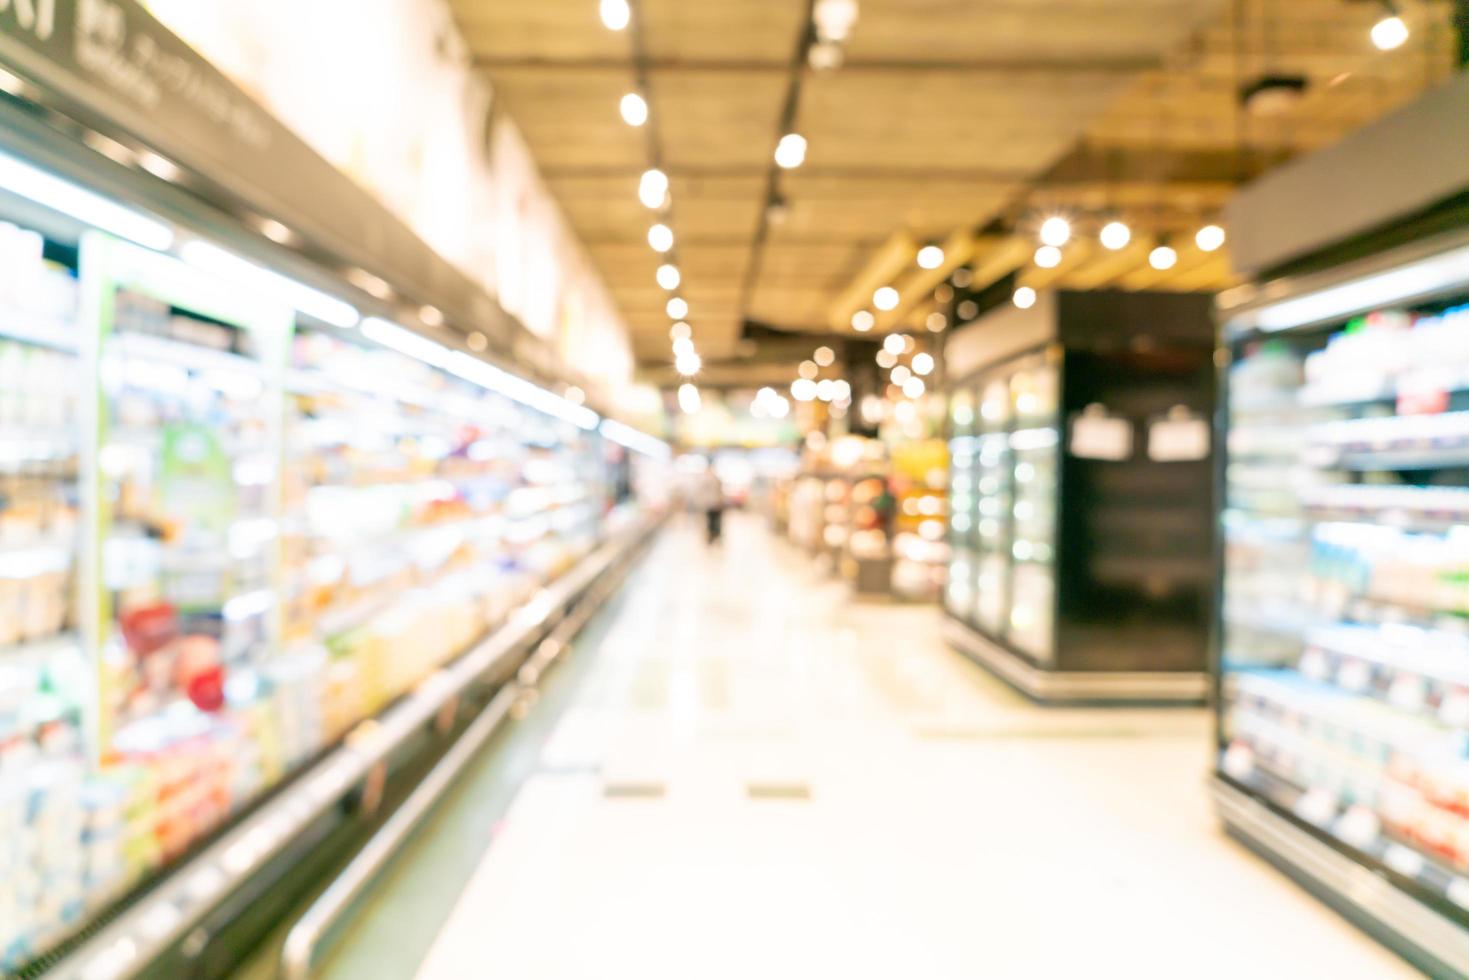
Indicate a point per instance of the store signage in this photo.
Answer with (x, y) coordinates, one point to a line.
(35, 16)
(112, 64)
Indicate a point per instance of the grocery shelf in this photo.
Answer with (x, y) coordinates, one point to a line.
(164, 915)
(40, 653)
(29, 331)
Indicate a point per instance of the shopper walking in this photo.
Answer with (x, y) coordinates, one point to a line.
(710, 498)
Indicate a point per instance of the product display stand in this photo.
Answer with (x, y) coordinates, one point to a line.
(1080, 498)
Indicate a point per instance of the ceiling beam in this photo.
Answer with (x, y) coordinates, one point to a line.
(1121, 65)
(1105, 266)
(999, 262)
(1073, 257)
(920, 283)
(886, 263)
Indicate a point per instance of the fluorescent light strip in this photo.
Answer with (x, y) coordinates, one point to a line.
(1436, 274)
(488, 376)
(626, 435)
(313, 302)
(50, 191)
(406, 342)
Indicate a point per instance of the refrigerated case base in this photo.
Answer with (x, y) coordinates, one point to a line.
(1078, 687)
(1428, 940)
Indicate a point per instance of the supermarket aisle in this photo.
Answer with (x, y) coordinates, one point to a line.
(758, 778)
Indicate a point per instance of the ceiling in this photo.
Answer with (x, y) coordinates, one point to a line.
(955, 121)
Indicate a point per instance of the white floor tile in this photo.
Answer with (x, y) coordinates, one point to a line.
(951, 830)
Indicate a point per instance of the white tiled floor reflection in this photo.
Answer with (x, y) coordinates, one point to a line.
(761, 779)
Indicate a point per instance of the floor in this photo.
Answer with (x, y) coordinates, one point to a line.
(742, 773)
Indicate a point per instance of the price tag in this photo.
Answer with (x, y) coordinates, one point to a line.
(1455, 709)
(1239, 761)
(1315, 665)
(1178, 440)
(1317, 806)
(1359, 827)
(1354, 676)
(1097, 436)
(1403, 860)
(1408, 692)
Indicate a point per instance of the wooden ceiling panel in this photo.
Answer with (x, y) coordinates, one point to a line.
(1016, 124)
(746, 30)
(702, 263)
(1059, 31)
(946, 115)
(548, 29)
(718, 118)
(717, 221)
(570, 118)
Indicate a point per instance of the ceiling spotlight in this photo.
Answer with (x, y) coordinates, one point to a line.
(842, 389)
(824, 356)
(668, 276)
(967, 310)
(680, 331)
(886, 298)
(1024, 297)
(943, 292)
(660, 237)
(886, 359)
(1048, 256)
(962, 277)
(653, 188)
(687, 364)
(683, 347)
(863, 321)
(1055, 231)
(834, 19)
(893, 343)
(1163, 258)
(790, 152)
(808, 369)
(677, 308)
(431, 316)
(615, 14)
(936, 322)
(1390, 32)
(477, 342)
(826, 389)
(914, 387)
(900, 374)
(825, 56)
(930, 257)
(1115, 235)
(803, 389)
(634, 109)
(688, 398)
(923, 363)
(575, 395)
(1209, 238)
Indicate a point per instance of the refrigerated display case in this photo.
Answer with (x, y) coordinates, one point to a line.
(240, 543)
(1343, 632)
(1343, 642)
(1080, 543)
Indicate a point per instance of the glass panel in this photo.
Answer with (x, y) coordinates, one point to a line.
(1346, 584)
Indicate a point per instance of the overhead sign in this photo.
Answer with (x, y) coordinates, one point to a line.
(113, 66)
